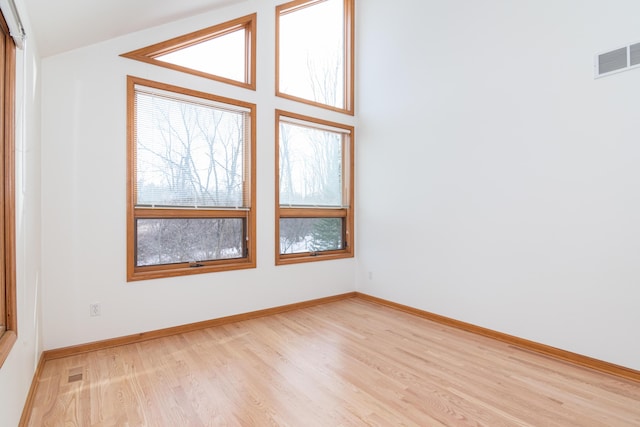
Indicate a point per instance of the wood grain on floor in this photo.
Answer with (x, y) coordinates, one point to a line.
(346, 363)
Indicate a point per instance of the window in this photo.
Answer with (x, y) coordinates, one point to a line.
(191, 179)
(224, 52)
(314, 157)
(314, 195)
(315, 53)
(8, 326)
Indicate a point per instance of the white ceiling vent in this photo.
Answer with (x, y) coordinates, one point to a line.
(617, 60)
(634, 54)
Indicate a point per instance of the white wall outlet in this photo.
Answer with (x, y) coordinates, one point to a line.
(94, 309)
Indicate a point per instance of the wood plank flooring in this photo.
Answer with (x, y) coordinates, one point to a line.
(347, 363)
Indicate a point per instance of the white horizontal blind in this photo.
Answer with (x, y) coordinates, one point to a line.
(311, 164)
(314, 125)
(190, 152)
(12, 17)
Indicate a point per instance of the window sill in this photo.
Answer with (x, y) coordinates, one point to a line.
(146, 273)
(6, 343)
(308, 257)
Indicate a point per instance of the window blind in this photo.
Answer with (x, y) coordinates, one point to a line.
(191, 152)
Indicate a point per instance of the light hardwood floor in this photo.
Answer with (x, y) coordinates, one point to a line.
(346, 363)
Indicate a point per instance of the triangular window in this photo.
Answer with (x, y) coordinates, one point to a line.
(224, 52)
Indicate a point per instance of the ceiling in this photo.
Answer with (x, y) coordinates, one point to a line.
(63, 25)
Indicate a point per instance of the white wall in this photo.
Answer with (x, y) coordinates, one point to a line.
(514, 165)
(17, 372)
(497, 179)
(84, 195)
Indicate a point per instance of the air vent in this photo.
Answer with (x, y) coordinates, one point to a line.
(75, 374)
(612, 61)
(634, 54)
(617, 60)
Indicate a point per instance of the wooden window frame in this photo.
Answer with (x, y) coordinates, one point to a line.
(133, 213)
(349, 34)
(248, 23)
(8, 311)
(346, 212)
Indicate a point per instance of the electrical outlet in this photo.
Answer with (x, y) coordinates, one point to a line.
(370, 275)
(94, 309)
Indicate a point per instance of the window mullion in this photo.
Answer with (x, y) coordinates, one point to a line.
(190, 213)
(298, 212)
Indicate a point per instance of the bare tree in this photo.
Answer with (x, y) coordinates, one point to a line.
(324, 79)
(311, 162)
(193, 157)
